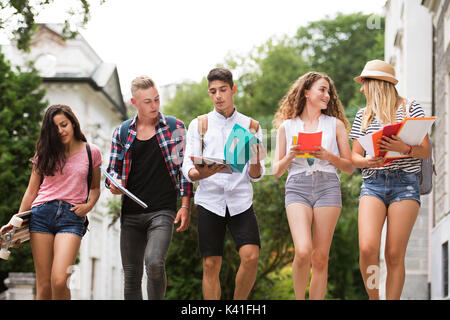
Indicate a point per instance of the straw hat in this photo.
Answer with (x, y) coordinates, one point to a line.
(377, 69)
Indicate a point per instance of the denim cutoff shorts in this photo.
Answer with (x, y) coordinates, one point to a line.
(316, 189)
(56, 217)
(392, 186)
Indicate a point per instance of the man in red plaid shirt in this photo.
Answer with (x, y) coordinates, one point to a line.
(148, 163)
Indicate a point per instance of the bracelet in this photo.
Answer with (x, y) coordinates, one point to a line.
(186, 207)
(410, 151)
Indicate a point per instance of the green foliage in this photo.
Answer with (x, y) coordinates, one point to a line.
(21, 14)
(114, 206)
(276, 241)
(340, 47)
(190, 101)
(277, 286)
(21, 109)
(344, 279)
(184, 265)
(278, 65)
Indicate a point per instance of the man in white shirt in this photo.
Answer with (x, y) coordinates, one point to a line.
(224, 199)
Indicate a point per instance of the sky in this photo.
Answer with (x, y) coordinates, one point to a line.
(177, 40)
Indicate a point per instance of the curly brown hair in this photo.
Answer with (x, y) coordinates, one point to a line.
(293, 103)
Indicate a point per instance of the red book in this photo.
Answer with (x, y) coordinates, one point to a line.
(308, 141)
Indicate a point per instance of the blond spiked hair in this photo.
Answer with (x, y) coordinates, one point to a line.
(141, 82)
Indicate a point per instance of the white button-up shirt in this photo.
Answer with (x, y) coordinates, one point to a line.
(220, 190)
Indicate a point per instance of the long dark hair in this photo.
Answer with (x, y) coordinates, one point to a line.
(49, 154)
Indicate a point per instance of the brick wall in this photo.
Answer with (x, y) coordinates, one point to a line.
(442, 127)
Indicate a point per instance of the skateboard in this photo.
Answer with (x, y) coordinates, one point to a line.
(17, 229)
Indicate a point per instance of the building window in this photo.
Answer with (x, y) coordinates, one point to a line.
(445, 268)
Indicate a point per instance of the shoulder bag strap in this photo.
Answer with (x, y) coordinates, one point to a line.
(123, 135)
(89, 176)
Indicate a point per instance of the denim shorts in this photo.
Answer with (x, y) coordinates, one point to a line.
(392, 186)
(318, 189)
(56, 217)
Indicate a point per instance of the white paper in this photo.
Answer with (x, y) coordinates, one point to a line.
(367, 143)
(413, 132)
(125, 191)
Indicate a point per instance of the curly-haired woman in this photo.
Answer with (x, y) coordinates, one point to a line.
(313, 195)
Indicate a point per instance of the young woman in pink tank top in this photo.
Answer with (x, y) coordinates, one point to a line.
(57, 195)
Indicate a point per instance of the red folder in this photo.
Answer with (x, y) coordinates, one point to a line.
(411, 130)
(387, 131)
(392, 129)
(308, 141)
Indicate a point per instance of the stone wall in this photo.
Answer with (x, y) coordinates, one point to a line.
(21, 286)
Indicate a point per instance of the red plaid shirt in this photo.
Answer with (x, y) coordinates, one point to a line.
(172, 147)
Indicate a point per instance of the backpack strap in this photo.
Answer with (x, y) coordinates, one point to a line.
(202, 128)
(89, 176)
(172, 123)
(123, 135)
(89, 182)
(124, 129)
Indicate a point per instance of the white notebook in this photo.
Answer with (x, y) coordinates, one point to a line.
(125, 191)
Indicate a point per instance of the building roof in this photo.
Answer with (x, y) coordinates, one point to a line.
(101, 77)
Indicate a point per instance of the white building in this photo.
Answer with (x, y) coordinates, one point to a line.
(73, 74)
(440, 213)
(416, 44)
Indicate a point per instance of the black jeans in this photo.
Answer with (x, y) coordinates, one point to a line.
(145, 238)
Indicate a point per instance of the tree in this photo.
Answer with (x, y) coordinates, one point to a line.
(191, 99)
(340, 47)
(276, 241)
(21, 106)
(184, 264)
(17, 17)
(277, 64)
(345, 281)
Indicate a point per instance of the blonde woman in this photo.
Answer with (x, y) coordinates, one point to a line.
(313, 195)
(390, 192)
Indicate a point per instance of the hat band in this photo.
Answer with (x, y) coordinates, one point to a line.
(374, 73)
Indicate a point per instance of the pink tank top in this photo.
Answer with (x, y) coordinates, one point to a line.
(71, 185)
